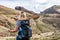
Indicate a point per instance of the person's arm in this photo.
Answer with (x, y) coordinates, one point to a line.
(30, 25)
(15, 30)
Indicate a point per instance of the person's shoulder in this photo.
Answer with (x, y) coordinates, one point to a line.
(18, 21)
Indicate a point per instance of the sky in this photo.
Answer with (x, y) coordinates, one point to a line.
(33, 5)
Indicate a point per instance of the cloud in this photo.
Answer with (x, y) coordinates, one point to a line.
(40, 1)
(8, 0)
(34, 5)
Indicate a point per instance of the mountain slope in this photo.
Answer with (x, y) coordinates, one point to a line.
(51, 10)
(9, 21)
(52, 18)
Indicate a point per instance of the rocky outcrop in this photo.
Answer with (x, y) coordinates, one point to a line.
(52, 16)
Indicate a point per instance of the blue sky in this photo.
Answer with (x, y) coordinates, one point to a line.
(33, 5)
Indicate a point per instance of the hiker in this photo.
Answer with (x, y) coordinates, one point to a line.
(23, 27)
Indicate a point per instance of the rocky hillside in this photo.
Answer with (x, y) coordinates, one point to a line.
(52, 16)
(52, 10)
(8, 21)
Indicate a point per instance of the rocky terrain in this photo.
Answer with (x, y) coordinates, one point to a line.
(44, 26)
(8, 19)
(52, 17)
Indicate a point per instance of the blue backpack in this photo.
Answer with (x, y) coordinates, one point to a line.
(25, 30)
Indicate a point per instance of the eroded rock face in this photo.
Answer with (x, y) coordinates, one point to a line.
(52, 19)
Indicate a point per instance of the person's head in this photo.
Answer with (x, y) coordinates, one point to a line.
(22, 14)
